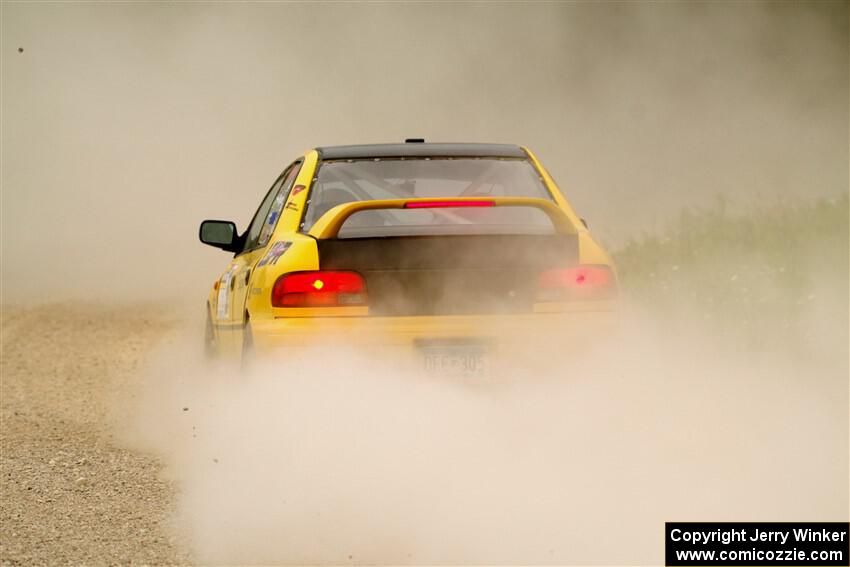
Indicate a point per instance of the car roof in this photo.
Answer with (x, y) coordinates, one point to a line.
(419, 149)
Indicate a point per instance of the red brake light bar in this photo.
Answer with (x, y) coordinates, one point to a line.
(447, 204)
(319, 289)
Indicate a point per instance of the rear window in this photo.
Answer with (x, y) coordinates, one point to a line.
(344, 181)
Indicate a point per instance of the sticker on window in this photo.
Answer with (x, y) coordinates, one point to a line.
(271, 219)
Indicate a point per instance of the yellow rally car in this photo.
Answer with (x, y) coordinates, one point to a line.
(452, 252)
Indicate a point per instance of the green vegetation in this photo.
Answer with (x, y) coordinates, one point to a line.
(754, 277)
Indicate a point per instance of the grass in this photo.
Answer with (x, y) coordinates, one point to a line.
(752, 276)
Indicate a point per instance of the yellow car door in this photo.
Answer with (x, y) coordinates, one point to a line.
(256, 241)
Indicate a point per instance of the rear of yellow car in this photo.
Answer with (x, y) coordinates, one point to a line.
(457, 255)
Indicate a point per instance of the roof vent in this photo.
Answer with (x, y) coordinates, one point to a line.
(415, 141)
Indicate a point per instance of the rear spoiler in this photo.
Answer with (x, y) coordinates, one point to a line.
(329, 224)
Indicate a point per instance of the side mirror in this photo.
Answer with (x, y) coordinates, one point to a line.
(221, 234)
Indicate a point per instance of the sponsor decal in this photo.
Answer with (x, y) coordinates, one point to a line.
(274, 253)
(297, 189)
(292, 206)
(222, 304)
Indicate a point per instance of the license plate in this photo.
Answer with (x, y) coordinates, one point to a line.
(456, 361)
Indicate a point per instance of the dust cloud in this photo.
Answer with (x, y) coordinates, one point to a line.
(561, 456)
(124, 125)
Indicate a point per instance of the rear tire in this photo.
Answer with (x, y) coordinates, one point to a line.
(248, 353)
(210, 342)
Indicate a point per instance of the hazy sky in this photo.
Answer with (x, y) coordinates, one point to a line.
(124, 125)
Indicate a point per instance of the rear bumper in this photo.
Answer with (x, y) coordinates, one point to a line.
(578, 327)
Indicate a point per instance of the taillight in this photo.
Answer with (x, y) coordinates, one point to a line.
(582, 282)
(319, 289)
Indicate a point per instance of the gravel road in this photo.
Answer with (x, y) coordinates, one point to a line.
(72, 493)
